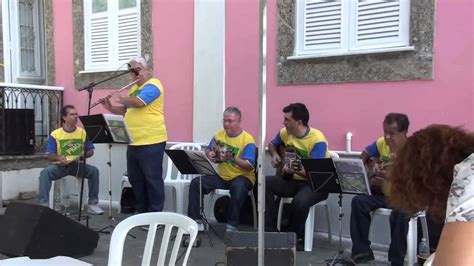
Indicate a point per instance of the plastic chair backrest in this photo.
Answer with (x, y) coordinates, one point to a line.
(184, 224)
(170, 166)
(333, 154)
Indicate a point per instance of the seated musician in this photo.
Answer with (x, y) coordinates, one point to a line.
(377, 158)
(65, 148)
(295, 140)
(233, 149)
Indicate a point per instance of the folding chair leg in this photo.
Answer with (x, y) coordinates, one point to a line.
(254, 210)
(309, 230)
(179, 200)
(280, 211)
(424, 228)
(328, 220)
(412, 238)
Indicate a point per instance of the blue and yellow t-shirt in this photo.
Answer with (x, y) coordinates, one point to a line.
(242, 146)
(312, 145)
(379, 149)
(69, 144)
(147, 124)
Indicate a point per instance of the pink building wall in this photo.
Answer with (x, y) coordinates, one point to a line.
(355, 107)
(335, 108)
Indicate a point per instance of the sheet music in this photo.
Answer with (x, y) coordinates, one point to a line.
(352, 176)
(202, 163)
(118, 128)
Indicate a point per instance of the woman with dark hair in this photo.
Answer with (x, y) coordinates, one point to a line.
(434, 171)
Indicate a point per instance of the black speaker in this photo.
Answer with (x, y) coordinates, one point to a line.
(17, 136)
(241, 248)
(39, 232)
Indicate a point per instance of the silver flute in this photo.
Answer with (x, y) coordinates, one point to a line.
(101, 100)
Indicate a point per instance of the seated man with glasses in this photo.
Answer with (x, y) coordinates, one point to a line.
(378, 158)
(233, 149)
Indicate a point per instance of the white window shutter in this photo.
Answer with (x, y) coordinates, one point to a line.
(99, 41)
(112, 37)
(379, 24)
(128, 34)
(321, 26)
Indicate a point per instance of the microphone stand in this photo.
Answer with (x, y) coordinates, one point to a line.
(90, 90)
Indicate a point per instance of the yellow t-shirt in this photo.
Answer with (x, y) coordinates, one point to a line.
(242, 146)
(303, 146)
(147, 124)
(384, 155)
(68, 144)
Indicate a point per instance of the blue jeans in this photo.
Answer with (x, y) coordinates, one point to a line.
(145, 173)
(361, 206)
(55, 172)
(239, 190)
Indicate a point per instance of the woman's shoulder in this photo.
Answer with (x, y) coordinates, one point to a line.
(460, 205)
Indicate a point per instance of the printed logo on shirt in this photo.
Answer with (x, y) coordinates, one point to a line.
(70, 147)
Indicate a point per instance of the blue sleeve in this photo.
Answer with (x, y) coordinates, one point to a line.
(372, 150)
(51, 147)
(319, 150)
(211, 143)
(277, 141)
(89, 145)
(149, 93)
(249, 153)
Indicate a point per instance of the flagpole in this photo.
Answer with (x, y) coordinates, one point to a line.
(262, 128)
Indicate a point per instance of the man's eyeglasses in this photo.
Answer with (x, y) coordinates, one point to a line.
(228, 121)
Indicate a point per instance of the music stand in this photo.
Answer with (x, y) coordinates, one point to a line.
(110, 129)
(190, 162)
(337, 176)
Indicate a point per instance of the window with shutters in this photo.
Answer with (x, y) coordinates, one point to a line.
(344, 27)
(111, 33)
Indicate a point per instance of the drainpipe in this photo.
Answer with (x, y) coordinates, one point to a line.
(348, 142)
(348, 151)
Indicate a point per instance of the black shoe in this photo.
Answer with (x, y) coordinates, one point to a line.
(300, 244)
(363, 257)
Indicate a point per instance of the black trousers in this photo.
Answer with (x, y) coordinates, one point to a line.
(362, 205)
(303, 199)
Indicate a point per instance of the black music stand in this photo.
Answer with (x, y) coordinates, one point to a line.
(110, 129)
(340, 176)
(190, 162)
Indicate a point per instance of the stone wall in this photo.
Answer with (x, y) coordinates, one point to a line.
(405, 65)
(82, 80)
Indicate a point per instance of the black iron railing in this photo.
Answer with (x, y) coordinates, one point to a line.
(27, 114)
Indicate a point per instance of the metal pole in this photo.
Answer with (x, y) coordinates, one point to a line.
(262, 128)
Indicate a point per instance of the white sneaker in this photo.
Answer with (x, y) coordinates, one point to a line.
(94, 209)
(231, 228)
(201, 226)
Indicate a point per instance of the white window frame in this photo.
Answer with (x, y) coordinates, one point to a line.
(113, 13)
(11, 44)
(349, 44)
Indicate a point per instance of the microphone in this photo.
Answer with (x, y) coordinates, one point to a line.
(133, 70)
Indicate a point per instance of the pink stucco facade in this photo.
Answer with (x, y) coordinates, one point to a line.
(335, 108)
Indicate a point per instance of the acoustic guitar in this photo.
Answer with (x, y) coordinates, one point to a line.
(291, 159)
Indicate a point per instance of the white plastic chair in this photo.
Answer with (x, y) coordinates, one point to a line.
(309, 224)
(184, 224)
(58, 260)
(178, 184)
(62, 188)
(412, 236)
